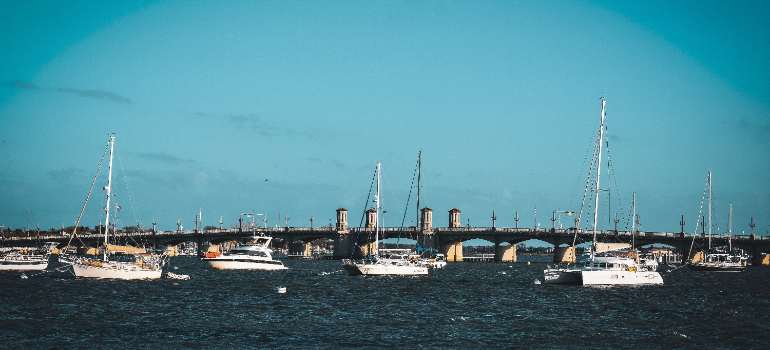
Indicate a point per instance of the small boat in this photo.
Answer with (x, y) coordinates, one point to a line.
(26, 259)
(392, 264)
(437, 261)
(177, 276)
(712, 260)
(252, 256)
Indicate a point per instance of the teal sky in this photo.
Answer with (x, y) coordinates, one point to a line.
(209, 100)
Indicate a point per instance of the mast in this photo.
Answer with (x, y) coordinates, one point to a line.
(730, 232)
(108, 188)
(709, 209)
(377, 215)
(633, 221)
(598, 171)
(419, 168)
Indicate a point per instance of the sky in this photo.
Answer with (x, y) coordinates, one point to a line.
(230, 107)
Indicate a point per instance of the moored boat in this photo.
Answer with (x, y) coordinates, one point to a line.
(393, 264)
(252, 256)
(26, 259)
(712, 260)
(114, 263)
(611, 267)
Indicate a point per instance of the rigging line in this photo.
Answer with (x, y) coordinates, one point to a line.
(581, 170)
(615, 180)
(392, 195)
(590, 176)
(131, 199)
(700, 211)
(361, 223)
(401, 229)
(88, 196)
(17, 180)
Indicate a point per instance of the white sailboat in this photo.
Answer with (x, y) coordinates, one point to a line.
(115, 263)
(718, 261)
(394, 264)
(610, 267)
(253, 256)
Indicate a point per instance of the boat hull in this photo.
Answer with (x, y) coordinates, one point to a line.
(230, 264)
(613, 277)
(23, 265)
(354, 269)
(119, 271)
(715, 268)
(561, 276)
(602, 277)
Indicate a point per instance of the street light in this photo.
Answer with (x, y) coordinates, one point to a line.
(553, 218)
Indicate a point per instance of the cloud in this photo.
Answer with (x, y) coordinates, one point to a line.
(334, 162)
(762, 130)
(165, 158)
(94, 94)
(65, 174)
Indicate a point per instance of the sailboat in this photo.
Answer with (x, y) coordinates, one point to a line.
(609, 267)
(393, 264)
(117, 263)
(718, 261)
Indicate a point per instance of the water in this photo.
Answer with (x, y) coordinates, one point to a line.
(465, 305)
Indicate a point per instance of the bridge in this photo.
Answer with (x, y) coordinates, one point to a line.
(448, 240)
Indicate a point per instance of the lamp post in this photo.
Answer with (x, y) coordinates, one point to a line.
(553, 218)
(264, 219)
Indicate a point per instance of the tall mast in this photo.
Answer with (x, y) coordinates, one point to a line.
(108, 188)
(419, 168)
(709, 209)
(633, 221)
(377, 215)
(598, 171)
(730, 236)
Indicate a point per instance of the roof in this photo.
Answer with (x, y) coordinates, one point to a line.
(341, 209)
(455, 210)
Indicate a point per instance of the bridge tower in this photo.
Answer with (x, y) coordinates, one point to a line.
(371, 218)
(426, 219)
(453, 250)
(454, 218)
(345, 241)
(342, 220)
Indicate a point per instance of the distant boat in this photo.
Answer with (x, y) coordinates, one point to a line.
(26, 259)
(253, 256)
(115, 263)
(609, 267)
(393, 264)
(718, 260)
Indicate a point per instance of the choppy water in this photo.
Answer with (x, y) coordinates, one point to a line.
(465, 305)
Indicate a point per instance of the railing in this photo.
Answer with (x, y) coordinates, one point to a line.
(411, 229)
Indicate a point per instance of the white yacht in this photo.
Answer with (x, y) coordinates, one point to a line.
(26, 259)
(607, 268)
(393, 264)
(253, 256)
